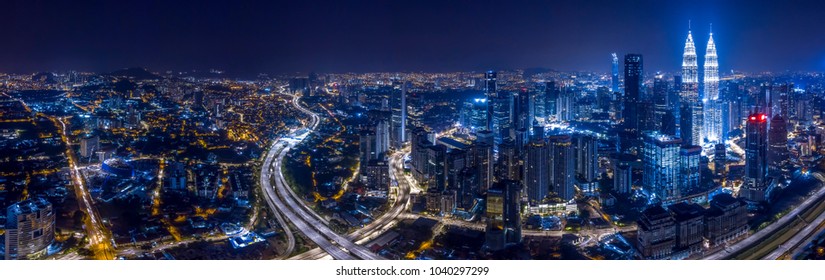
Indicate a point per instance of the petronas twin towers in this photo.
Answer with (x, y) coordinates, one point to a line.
(701, 118)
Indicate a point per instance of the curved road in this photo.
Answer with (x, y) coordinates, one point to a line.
(290, 238)
(304, 219)
(386, 221)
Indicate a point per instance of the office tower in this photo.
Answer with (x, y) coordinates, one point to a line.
(614, 86)
(509, 165)
(399, 116)
(668, 125)
(521, 110)
(686, 123)
(502, 116)
(690, 105)
(537, 172)
(756, 158)
(690, 227)
(690, 174)
(720, 159)
(89, 145)
(503, 215)
(456, 161)
(656, 233)
(562, 166)
(490, 92)
(778, 141)
(726, 219)
(675, 93)
(29, 228)
(551, 96)
(437, 168)
(484, 161)
(661, 106)
(382, 139)
(660, 158)
(466, 188)
(633, 79)
(474, 114)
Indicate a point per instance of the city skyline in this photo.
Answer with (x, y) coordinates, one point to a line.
(245, 40)
(660, 153)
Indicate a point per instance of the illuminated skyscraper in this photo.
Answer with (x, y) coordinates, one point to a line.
(614, 87)
(490, 92)
(712, 104)
(660, 101)
(660, 158)
(778, 141)
(756, 158)
(399, 116)
(633, 78)
(690, 174)
(691, 111)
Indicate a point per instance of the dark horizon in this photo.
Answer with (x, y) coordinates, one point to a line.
(404, 36)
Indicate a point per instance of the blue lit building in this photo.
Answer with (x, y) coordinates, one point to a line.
(660, 158)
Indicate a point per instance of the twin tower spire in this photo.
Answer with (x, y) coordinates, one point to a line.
(705, 113)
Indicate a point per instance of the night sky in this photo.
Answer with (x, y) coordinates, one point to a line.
(391, 35)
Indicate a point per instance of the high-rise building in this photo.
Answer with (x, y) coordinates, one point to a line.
(778, 149)
(509, 164)
(382, 139)
(712, 103)
(691, 106)
(587, 158)
(660, 158)
(503, 215)
(521, 109)
(622, 165)
(437, 168)
(551, 96)
(720, 159)
(490, 92)
(614, 86)
(502, 116)
(378, 175)
(399, 116)
(89, 145)
(366, 145)
(690, 174)
(562, 166)
(537, 177)
(484, 160)
(633, 79)
(660, 101)
(29, 228)
(756, 158)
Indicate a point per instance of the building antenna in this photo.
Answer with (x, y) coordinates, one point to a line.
(711, 28)
(688, 26)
